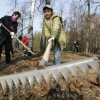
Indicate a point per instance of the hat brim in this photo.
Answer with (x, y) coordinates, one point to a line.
(47, 8)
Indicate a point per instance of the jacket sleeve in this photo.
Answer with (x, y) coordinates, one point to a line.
(2, 19)
(46, 30)
(56, 26)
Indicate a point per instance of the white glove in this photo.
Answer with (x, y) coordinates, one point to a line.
(51, 39)
(12, 33)
(12, 36)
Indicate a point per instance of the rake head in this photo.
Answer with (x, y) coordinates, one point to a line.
(83, 64)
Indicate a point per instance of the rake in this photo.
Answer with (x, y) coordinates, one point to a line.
(45, 57)
(18, 40)
(73, 66)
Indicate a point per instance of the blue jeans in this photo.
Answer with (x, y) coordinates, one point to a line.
(57, 53)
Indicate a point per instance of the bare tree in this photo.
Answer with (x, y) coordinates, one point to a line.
(30, 30)
(88, 27)
(76, 24)
(24, 18)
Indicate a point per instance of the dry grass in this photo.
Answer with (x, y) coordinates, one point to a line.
(22, 64)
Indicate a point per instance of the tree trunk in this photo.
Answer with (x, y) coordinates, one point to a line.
(30, 31)
(47, 1)
(88, 28)
(43, 42)
(22, 27)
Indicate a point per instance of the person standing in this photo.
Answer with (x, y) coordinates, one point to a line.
(26, 42)
(76, 46)
(10, 22)
(52, 24)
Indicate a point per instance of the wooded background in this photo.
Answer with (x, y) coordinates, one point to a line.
(82, 22)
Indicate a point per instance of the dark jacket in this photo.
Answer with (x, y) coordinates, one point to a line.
(0, 30)
(20, 38)
(5, 36)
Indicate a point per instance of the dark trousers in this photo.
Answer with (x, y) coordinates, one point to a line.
(7, 53)
(12, 52)
(75, 48)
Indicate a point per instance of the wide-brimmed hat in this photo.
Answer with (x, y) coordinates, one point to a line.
(47, 6)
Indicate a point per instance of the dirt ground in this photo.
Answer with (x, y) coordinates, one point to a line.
(25, 63)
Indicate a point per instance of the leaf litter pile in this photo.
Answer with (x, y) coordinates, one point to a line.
(80, 89)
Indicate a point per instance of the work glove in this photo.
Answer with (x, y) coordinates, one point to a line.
(12, 33)
(12, 36)
(51, 39)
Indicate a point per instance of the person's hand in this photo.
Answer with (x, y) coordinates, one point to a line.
(12, 33)
(12, 36)
(51, 39)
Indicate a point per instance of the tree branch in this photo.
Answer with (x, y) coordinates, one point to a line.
(96, 2)
(96, 8)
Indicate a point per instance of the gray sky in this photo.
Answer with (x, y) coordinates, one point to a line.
(4, 9)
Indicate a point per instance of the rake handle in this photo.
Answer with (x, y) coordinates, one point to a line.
(18, 40)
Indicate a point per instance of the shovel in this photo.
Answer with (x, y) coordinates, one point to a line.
(18, 40)
(46, 55)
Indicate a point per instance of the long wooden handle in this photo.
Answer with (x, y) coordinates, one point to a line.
(47, 51)
(18, 40)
